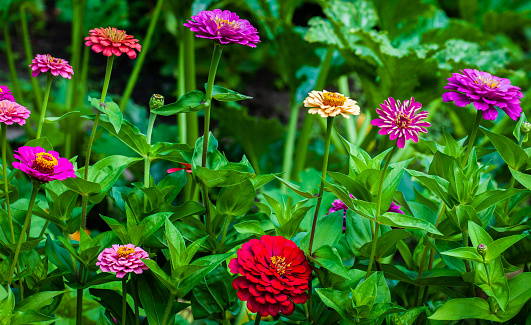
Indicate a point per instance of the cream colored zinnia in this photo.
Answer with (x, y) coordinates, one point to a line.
(331, 104)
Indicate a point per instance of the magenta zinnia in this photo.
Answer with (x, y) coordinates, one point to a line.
(224, 26)
(122, 259)
(11, 112)
(5, 93)
(275, 275)
(112, 41)
(485, 91)
(43, 166)
(44, 63)
(401, 121)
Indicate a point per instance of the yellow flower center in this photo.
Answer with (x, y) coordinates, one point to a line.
(125, 251)
(1, 91)
(490, 82)
(51, 59)
(278, 264)
(402, 121)
(224, 22)
(333, 99)
(113, 34)
(44, 162)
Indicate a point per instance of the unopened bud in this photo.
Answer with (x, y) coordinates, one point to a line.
(525, 128)
(482, 249)
(156, 101)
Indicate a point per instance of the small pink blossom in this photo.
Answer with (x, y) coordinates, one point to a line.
(5, 93)
(11, 112)
(122, 259)
(112, 41)
(43, 166)
(44, 63)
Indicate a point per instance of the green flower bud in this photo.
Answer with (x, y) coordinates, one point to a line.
(482, 249)
(156, 101)
(525, 128)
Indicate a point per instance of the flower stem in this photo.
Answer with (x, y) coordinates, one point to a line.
(329, 126)
(79, 307)
(257, 319)
(147, 160)
(472, 139)
(378, 206)
(11, 63)
(34, 191)
(29, 54)
(467, 263)
(511, 183)
(216, 56)
(49, 79)
(169, 305)
(6, 182)
(124, 299)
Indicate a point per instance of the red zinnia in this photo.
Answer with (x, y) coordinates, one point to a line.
(275, 275)
(112, 41)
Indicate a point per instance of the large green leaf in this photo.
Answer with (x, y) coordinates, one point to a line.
(192, 101)
(513, 155)
(237, 199)
(404, 221)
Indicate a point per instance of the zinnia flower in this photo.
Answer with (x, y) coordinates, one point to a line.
(485, 91)
(11, 112)
(43, 166)
(224, 26)
(112, 41)
(44, 63)
(186, 167)
(5, 93)
(401, 121)
(330, 104)
(275, 275)
(122, 259)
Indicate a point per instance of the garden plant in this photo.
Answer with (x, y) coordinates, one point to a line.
(265, 162)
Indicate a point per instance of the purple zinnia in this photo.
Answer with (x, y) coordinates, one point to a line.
(485, 91)
(395, 208)
(5, 94)
(223, 26)
(401, 120)
(122, 259)
(47, 63)
(43, 166)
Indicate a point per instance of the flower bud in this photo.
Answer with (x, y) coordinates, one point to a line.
(525, 128)
(156, 101)
(482, 249)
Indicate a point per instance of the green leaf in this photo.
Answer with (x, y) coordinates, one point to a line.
(249, 227)
(296, 188)
(513, 155)
(171, 151)
(524, 179)
(112, 301)
(327, 232)
(337, 300)
(462, 308)
(214, 294)
(404, 221)
(438, 185)
(227, 95)
(192, 101)
(209, 263)
(32, 317)
(118, 229)
(478, 235)
(489, 198)
(82, 186)
(499, 246)
(519, 294)
(176, 245)
(112, 111)
(166, 280)
(37, 301)
(329, 258)
(221, 178)
(386, 243)
(56, 119)
(40, 142)
(237, 199)
(465, 253)
(153, 298)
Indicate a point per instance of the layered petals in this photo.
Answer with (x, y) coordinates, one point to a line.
(111, 41)
(43, 166)
(122, 259)
(5, 93)
(11, 112)
(485, 91)
(47, 63)
(329, 104)
(275, 275)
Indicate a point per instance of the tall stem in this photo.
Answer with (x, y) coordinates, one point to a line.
(6, 182)
(350, 123)
(49, 79)
(511, 183)
(34, 191)
(11, 63)
(79, 307)
(467, 263)
(124, 299)
(329, 126)
(147, 160)
(257, 319)
(472, 139)
(378, 206)
(29, 55)
(169, 305)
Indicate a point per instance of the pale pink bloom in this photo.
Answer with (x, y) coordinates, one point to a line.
(11, 112)
(122, 259)
(44, 63)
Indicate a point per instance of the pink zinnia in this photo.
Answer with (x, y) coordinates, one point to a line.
(5, 93)
(122, 259)
(43, 166)
(485, 91)
(224, 26)
(11, 112)
(186, 167)
(112, 41)
(44, 63)
(401, 120)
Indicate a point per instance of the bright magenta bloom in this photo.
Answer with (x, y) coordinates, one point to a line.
(5, 93)
(186, 167)
(122, 259)
(275, 275)
(44, 63)
(485, 91)
(401, 121)
(11, 112)
(224, 26)
(43, 166)
(112, 41)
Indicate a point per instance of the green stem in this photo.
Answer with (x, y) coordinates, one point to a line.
(147, 160)
(472, 139)
(225, 227)
(29, 55)
(44, 228)
(257, 319)
(49, 79)
(181, 85)
(467, 263)
(133, 77)
(79, 307)
(192, 126)
(6, 181)
(350, 123)
(289, 147)
(378, 206)
(511, 184)
(34, 191)
(169, 305)
(329, 126)
(124, 299)
(11, 64)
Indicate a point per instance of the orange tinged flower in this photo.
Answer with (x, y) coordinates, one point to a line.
(329, 104)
